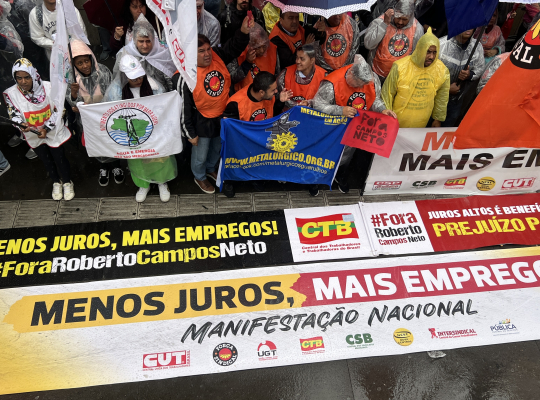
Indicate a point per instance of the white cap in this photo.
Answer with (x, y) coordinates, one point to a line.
(130, 66)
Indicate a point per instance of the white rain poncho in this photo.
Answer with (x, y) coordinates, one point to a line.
(325, 99)
(491, 68)
(92, 88)
(382, 6)
(158, 63)
(376, 31)
(455, 57)
(114, 92)
(13, 48)
(209, 26)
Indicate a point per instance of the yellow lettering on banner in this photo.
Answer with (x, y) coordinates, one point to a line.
(152, 303)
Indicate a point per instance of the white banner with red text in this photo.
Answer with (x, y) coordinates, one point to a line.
(147, 127)
(423, 160)
(178, 325)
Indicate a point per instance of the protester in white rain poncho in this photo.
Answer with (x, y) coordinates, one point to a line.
(88, 82)
(11, 47)
(454, 54)
(391, 37)
(131, 82)
(207, 24)
(154, 57)
(491, 68)
(28, 103)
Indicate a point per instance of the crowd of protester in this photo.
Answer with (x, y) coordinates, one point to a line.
(395, 59)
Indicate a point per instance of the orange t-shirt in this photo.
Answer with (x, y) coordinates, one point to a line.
(212, 91)
(335, 49)
(266, 63)
(303, 92)
(361, 98)
(396, 44)
(250, 110)
(293, 42)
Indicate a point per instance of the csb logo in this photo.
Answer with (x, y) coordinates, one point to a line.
(173, 359)
(520, 183)
(326, 229)
(267, 351)
(423, 184)
(312, 345)
(359, 341)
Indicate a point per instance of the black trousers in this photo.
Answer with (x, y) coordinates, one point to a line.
(55, 162)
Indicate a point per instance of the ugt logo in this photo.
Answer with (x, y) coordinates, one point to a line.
(326, 229)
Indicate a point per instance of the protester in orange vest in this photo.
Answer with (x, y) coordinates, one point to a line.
(344, 92)
(256, 102)
(392, 36)
(203, 109)
(288, 35)
(341, 39)
(303, 79)
(260, 55)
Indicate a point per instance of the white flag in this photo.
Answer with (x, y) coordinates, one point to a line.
(147, 127)
(59, 63)
(73, 26)
(180, 26)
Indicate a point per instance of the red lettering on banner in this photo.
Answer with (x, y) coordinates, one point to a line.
(401, 282)
(479, 221)
(431, 139)
(179, 53)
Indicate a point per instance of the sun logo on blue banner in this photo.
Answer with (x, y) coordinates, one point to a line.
(281, 139)
(129, 127)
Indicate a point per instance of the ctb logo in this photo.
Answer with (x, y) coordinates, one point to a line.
(267, 351)
(173, 359)
(312, 345)
(326, 229)
(457, 183)
(359, 341)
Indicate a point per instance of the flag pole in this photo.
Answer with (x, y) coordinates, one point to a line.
(459, 81)
(110, 10)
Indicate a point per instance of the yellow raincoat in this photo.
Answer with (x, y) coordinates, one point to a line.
(415, 92)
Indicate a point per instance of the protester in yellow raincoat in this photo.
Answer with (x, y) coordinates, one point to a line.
(418, 86)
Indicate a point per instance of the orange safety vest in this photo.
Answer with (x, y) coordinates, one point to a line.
(335, 49)
(396, 44)
(251, 110)
(293, 42)
(212, 91)
(303, 92)
(361, 98)
(266, 63)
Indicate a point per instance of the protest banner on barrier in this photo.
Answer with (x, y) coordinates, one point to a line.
(150, 247)
(327, 233)
(301, 145)
(256, 318)
(423, 160)
(147, 127)
(426, 226)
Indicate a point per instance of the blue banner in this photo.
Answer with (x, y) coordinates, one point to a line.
(301, 145)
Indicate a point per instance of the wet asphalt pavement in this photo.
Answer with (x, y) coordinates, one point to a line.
(501, 372)
(508, 371)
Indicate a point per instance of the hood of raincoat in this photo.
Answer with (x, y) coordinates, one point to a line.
(418, 56)
(91, 87)
(404, 8)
